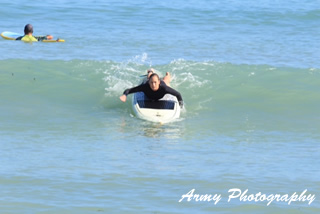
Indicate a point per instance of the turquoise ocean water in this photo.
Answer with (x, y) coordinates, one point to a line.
(249, 73)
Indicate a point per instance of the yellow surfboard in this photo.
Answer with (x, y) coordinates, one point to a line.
(12, 36)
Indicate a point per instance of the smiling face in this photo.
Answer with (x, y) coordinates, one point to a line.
(154, 82)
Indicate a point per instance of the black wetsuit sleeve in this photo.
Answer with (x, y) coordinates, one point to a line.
(19, 38)
(40, 38)
(134, 89)
(175, 93)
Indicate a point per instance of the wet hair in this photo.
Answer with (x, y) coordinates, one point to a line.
(154, 74)
(28, 29)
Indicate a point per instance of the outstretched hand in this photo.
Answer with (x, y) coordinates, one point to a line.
(123, 98)
(181, 104)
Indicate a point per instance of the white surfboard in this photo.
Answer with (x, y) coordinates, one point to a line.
(164, 110)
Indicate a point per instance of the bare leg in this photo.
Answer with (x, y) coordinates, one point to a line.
(149, 72)
(167, 79)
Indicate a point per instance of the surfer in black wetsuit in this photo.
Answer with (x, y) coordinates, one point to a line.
(154, 89)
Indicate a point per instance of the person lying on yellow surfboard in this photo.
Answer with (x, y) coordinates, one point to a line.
(28, 37)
